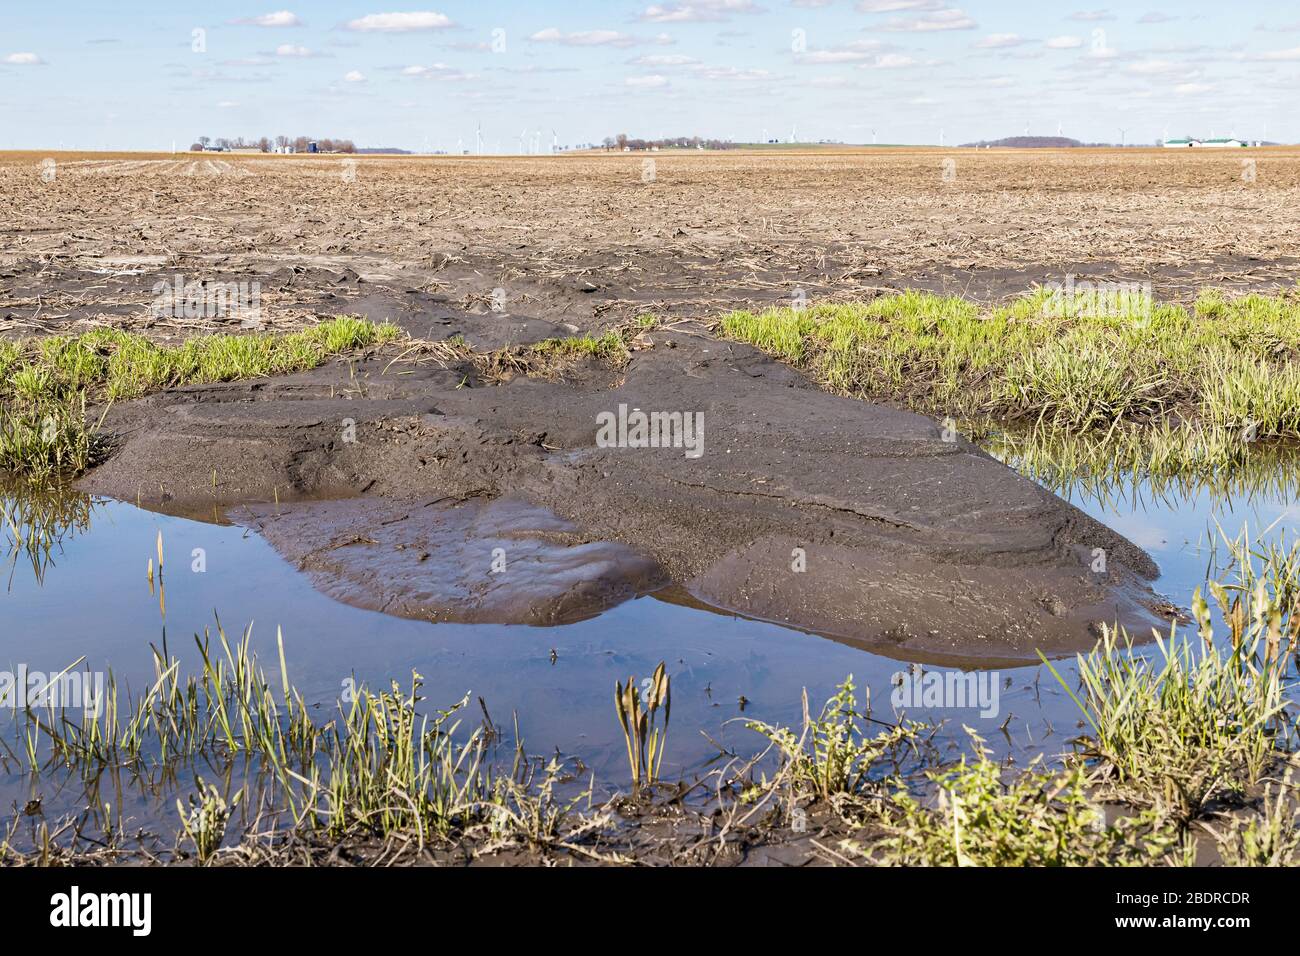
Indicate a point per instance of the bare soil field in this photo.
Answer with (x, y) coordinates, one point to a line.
(923, 544)
(596, 237)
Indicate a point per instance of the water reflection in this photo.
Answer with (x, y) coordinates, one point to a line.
(38, 523)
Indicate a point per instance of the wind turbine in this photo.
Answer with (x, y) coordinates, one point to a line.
(1123, 133)
(873, 137)
(460, 146)
(522, 147)
(1059, 127)
(555, 142)
(794, 133)
(478, 139)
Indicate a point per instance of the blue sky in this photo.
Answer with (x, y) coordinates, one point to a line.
(130, 74)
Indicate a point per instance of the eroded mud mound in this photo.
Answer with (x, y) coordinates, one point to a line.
(802, 507)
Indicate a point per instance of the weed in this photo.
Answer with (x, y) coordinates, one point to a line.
(1035, 818)
(1271, 838)
(644, 737)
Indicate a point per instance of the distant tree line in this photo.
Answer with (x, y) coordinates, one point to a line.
(623, 141)
(266, 144)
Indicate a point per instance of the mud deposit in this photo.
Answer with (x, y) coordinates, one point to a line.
(816, 511)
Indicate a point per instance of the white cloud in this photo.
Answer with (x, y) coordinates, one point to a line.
(227, 105)
(952, 18)
(1191, 89)
(999, 41)
(281, 18)
(291, 49)
(1291, 54)
(893, 61)
(400, 22)
(832, 56)
(1065, 43)
(654, 81)
(897, 6)
(584, 38)
(23, 59)
(354, 76)
(730, 73)
(698, 11)
(1092, 16)
(664, 59)
(1155, 67)
(439, 71)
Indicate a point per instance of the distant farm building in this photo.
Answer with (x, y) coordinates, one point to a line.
(1204, 143)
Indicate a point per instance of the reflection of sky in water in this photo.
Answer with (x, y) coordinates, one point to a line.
(1181, 531)
(95, 602)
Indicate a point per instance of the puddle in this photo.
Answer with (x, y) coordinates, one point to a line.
(89, 597)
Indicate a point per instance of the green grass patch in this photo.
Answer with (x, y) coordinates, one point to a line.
(1188, 386)
(46, 383)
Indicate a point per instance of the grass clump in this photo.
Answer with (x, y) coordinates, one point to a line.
(45, 439)
(383, 768)
(610, 347)
(1192, 385)
(832, 761)
(47, 383)
(1204, 719)
(1179, 730)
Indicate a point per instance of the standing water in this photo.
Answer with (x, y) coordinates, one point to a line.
(78, 592)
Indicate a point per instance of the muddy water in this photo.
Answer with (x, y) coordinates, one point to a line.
(89, 596)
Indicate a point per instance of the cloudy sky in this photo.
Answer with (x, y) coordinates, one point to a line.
(140, 75)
